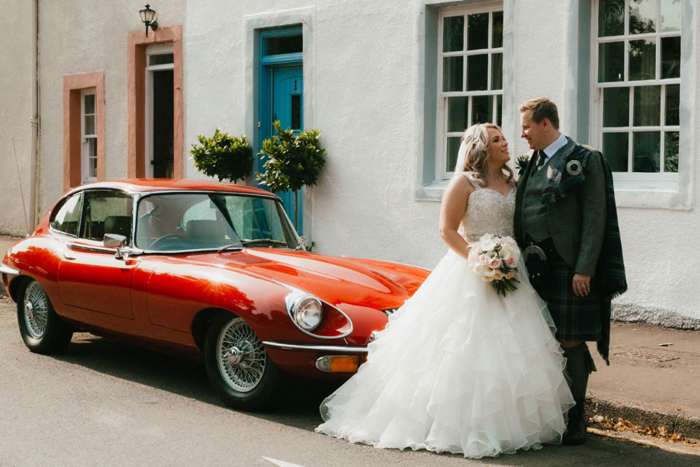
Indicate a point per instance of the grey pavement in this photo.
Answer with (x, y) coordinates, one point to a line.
(653, 379)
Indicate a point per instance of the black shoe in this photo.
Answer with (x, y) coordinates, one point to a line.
(576, 429)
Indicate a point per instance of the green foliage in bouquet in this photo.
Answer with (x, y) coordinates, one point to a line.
(293, 161)
(223, 156)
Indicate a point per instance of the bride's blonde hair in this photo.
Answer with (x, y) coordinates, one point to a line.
(475, 159)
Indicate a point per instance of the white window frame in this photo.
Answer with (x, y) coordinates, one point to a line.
(658, 181)
(441, 135)
(85, 138)
(158, 49)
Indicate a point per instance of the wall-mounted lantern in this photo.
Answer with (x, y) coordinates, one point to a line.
(149, 18)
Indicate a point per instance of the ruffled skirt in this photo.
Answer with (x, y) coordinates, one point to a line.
(458, 369)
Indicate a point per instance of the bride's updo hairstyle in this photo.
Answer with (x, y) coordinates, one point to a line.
(474, 154)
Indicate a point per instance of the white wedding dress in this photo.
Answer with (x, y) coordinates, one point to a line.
(459, 368)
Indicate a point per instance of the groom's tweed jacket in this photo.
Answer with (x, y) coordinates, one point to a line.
(576, 222)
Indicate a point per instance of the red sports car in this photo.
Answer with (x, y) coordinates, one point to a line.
(203, 269)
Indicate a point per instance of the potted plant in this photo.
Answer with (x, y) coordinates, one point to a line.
(293, 161)
(223, 156)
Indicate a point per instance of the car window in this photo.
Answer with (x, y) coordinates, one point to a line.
(67, 218)
(106, 211)
(197, 221)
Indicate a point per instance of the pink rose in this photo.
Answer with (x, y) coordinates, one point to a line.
(483, 259)
(512, 262)
(495, 263)
(498, 276)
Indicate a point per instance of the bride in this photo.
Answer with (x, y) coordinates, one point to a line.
(460, 368)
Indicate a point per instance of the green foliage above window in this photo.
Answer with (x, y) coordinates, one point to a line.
(223, 156)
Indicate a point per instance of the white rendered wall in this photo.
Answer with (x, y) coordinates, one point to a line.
(15, 114)
(85, 37)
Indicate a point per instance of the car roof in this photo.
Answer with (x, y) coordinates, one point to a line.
(144, 185)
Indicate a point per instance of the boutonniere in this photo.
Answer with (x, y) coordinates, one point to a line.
(574, 167)
(521, 163)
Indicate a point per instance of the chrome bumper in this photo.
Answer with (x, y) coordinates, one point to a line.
(316, 348)
(5, 269)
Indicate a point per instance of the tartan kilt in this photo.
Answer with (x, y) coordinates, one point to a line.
(576, 318)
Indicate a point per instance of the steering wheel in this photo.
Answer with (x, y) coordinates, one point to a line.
(162, 239)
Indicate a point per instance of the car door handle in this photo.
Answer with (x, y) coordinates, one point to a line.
(67, 255)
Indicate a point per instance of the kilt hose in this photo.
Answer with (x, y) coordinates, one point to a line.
(577, 318)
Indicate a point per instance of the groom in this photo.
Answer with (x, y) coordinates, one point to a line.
(566, 222)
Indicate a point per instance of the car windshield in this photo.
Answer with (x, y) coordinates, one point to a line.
(204, 221)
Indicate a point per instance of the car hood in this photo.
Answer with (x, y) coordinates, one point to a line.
(336, 280)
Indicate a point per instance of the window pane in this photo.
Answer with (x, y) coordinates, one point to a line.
(481, 109)
(642, 16)
(89, 103)
(296, 112)
(478, 31)
(453, 34)
(647, 106)
(646, 149)
(452, 73)
(642, 59)
(499, 109)
(92, 147)
(477, 72)
(284, 45)
(457, 112)
(161, 59)
(616, 107)
(611, 62)
(452, 152)
(670, 57)
(671, 151)
(497, 33)
(66, 220)
(673, 101)
(615, 150)
(92, 169)
(89, 124)
(670, 15)
(611, 18)
(106, 212)
(497, 71)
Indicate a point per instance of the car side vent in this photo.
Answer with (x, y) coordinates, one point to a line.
(389, 311)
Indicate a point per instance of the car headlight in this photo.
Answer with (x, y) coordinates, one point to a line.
(305, 309)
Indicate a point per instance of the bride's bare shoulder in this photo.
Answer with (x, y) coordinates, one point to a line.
(460, 186)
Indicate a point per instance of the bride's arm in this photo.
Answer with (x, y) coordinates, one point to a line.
(454, 205)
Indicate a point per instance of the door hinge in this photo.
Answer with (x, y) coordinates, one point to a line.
(258, 124)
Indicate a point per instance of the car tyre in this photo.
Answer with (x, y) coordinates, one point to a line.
(42, 330)
(238, 366)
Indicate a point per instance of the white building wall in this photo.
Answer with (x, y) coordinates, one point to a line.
(76, 37)
(15, 115)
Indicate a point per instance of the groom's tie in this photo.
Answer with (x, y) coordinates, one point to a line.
(541, 158)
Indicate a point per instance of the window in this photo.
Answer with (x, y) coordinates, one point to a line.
(83, 129)
(106, 212)
(68, 215)
(636, 97)
(470, 77)
(88, 132)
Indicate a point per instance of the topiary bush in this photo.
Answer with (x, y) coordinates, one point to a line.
(223, 156)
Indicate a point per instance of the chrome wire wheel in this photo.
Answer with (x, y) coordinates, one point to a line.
(240, 356)
(36, 310)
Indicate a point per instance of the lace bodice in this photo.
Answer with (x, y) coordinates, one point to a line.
(488, 211)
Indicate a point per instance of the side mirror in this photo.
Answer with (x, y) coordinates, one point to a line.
(114, 240)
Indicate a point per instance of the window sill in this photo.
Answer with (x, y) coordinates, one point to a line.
(431, 192)
(659, 199)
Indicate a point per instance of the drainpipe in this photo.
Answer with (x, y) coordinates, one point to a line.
(34, 151)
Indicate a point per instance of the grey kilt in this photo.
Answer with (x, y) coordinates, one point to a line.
(576, 318)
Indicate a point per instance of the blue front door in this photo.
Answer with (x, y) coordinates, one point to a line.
(288, 108)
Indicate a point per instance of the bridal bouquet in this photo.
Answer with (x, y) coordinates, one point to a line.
(495, 259)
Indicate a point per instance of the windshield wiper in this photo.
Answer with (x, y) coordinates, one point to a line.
(231, 247)
(264, 241)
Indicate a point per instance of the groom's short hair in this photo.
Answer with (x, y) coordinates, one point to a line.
(542, 108)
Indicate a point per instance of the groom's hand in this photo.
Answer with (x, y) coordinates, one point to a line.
(582, 285)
